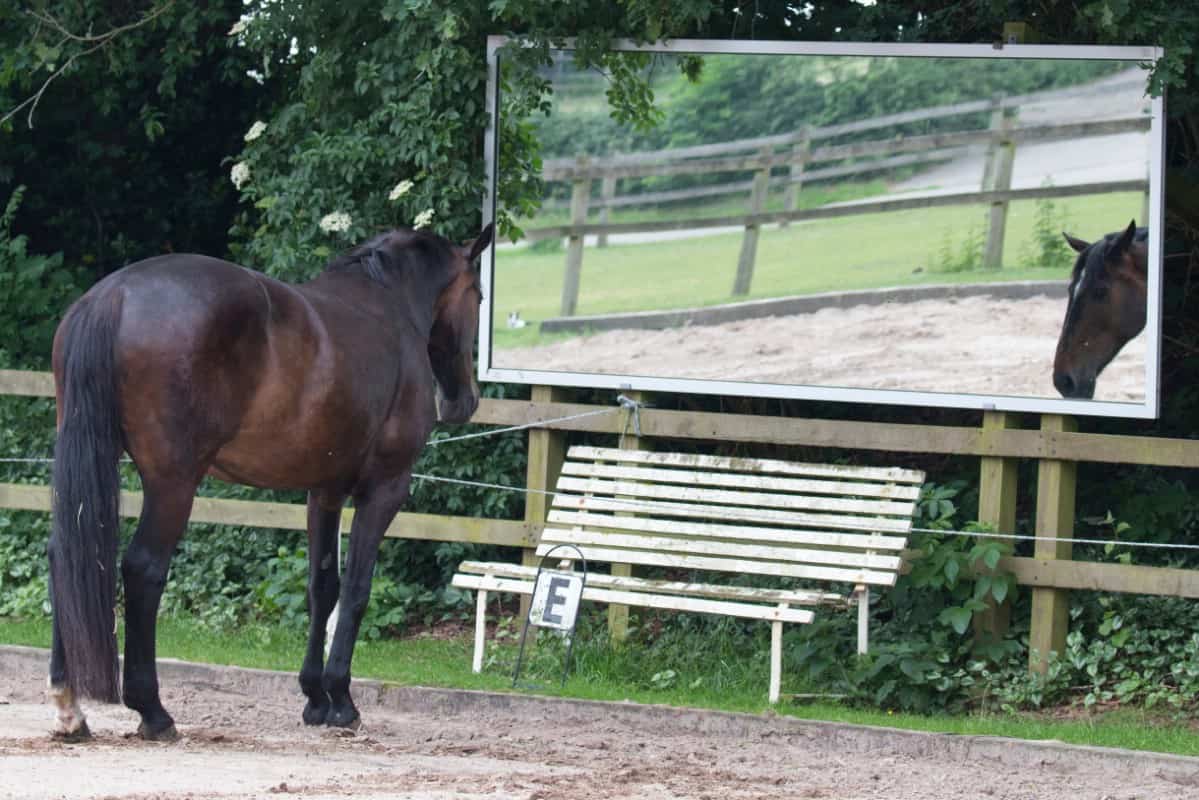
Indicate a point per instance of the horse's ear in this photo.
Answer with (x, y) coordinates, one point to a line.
(1121, 244)
(1078, 244)
(480, 243)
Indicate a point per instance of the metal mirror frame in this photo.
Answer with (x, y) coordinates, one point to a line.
(1148, 409)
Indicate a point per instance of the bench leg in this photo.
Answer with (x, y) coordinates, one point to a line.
(480, 629)
(863, 593)
(776, 660)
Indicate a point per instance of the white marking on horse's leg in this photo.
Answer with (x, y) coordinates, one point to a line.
(70, 720)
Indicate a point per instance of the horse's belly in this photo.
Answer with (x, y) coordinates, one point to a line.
(276, 464)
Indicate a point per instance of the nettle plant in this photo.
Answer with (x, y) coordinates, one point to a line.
(923, 654)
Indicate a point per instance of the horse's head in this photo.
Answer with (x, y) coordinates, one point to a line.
(435, 284)
(1106, 308)
(455, 324)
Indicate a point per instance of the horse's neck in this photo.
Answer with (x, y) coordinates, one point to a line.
(400, 304)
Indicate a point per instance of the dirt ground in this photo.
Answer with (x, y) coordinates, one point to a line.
(241, 738)
(970, 345)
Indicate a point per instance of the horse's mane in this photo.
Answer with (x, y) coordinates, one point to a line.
(392, 253)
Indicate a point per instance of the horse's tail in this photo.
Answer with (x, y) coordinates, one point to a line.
(86, 489)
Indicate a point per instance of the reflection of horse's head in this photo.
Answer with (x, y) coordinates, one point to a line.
(1105, 309)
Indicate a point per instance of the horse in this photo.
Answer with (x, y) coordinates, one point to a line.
(195, 366)
(1106, 307)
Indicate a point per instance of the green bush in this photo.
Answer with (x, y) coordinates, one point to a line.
(34, 289)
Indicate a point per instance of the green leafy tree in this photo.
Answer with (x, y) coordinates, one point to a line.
(115, 117)
(384, 115)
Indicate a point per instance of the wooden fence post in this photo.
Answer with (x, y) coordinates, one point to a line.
(579, 195)
(1055, 518)
(803, 149)
(1004, 155)
(988, 181)
(607, 192)
(547, 451)
(618, 616)
(749, 243)
(997, 507)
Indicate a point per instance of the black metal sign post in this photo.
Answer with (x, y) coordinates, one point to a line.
(555, 605)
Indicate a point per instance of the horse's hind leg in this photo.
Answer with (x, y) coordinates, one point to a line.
(70, 723)
(373, 512)
(324, 525)
(144, 569)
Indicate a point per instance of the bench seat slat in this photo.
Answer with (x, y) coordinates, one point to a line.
(708, 547)
(654, 491)
(587, 469)
(762, 465)
(802, 597)
(668, 602)
(848, 541)
(739, 565)
(664, 508)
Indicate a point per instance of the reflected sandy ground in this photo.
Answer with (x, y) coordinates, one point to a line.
(927, 345)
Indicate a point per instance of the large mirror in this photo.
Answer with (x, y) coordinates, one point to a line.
(874, 223)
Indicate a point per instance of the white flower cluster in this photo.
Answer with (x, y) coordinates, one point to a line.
(240, 174)
(239, 27)
(256, 130)
(402, 188)
(337, 221)
(423, 219)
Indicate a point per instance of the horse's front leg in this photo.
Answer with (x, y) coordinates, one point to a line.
(324, 525)
(144, 569)
(374, 510)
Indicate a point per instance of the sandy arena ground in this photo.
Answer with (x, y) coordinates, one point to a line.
(972, 345)
(242, 738)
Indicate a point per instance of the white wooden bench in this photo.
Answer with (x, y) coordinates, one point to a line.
(836, 525)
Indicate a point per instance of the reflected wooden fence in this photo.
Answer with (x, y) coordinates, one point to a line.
(789, 161)
(999, 443)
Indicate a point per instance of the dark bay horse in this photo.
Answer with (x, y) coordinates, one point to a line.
(1106, 307)
(196, 366)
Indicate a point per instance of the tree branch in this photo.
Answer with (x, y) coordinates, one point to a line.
(99, 41)
(103, 37)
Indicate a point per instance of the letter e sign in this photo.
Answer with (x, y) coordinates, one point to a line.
(556, 600)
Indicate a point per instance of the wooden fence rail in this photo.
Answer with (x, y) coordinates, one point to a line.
(795, 153)
(1136, 80)
(609, 199)
(831, 212)
(998, 443)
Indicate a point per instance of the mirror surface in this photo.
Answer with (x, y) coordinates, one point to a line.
(865, 226)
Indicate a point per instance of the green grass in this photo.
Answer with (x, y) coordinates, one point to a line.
(737, 684)
(901, 248)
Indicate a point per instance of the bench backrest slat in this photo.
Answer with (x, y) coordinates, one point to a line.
(653, 491)
(667, 544)
(742, 566)
(586, 469)
(752, 465)
(799, 537)
(662, 508)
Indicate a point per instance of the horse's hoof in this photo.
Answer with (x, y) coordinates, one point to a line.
(315, 714)
(344, 717)
(81, 734)
(165, 733)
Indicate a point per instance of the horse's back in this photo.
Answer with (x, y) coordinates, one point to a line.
(186, 309)
(198, 344)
